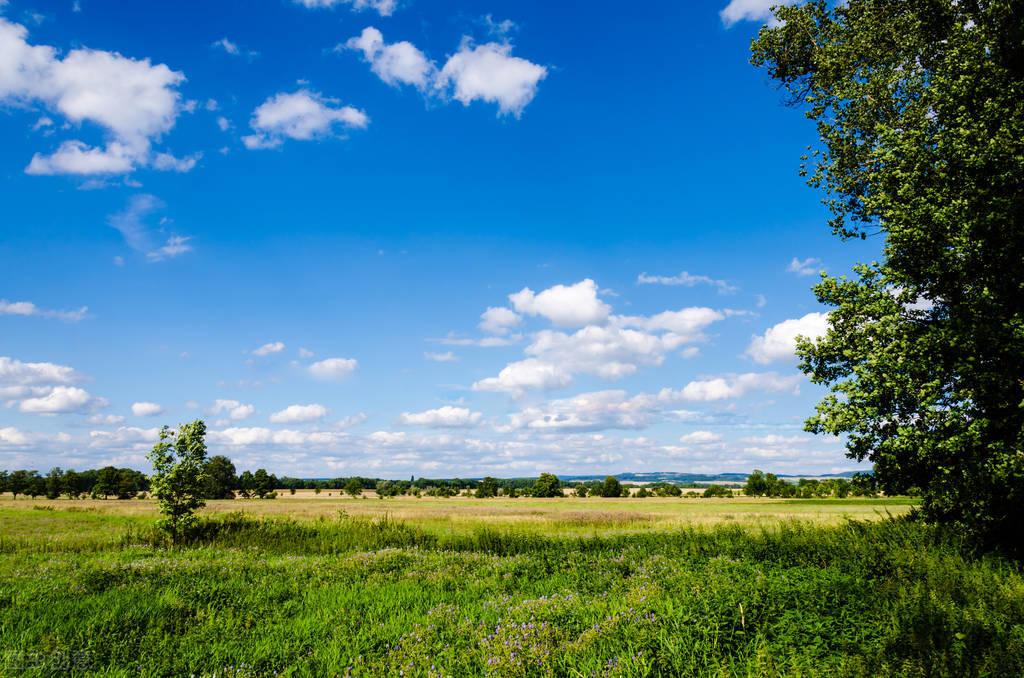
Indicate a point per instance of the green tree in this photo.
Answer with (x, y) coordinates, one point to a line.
(918, 108)
(54, 483)
(611, 487)
(220, 478)
(246, 484)
(71, 485)
(21, 482)
(262, 483)
(717, 491)
(106, 482)
(354, 487)
(756, 485)
(581, 490)
(179, 476)
(547, 485)
(488, 487)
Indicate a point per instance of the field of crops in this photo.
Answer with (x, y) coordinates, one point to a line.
(322, 586)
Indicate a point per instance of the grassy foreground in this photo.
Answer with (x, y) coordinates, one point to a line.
(90, 589)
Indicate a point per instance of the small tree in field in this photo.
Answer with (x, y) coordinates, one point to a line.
(179, 476)
(354, 487)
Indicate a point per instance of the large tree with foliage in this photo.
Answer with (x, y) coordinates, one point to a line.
(919, 105)
(179, 476)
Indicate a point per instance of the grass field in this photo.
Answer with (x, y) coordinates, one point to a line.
(324, 586)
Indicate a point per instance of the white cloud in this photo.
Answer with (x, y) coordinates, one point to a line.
(305, 353)
(27, 308)
(685, 279)
(442, 417)
(223, 123)
(687, 324)
(269, 348)
(298, 414)
(147, 409)
(779, 341)
(166, 162)
(44, 388)
(233, 49)
(490, 73)
(227, 46)
(446, 357)
(382, 7)
(524, 375)
(176, 245)
(61, 400)
(105, 419)
(397, 63)
(333, 368)
(594, 411)
(804, 267)
(750, 10)
(137, 234)
(700, 438)
(124, 437)
(352, 420)
(565, 305)
(498, 320)
(235, 410)
(302, 115)
(736, 386)
(607, 346)
(134, 101)
(259, 436)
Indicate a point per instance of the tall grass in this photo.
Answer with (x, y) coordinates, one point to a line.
(372, 597)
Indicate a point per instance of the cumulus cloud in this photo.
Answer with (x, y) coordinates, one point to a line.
(804, 267)
(382, 7)
(565, 305)
(736, 386)
(260, 436)
(779, 341)
(607, 346)
(299, 414)
(303, 115)
(27, 308)
(499, 320)
(235, 410)
(269, 348)
(490, 73)
(397, 63)
(442, 417)
(124, 438)
(685, 279)
(485, 72)
(700, 438)
(134, 101)
(61, 400)
(525, 375)
(594, 411)
(750, 10)
(44, 388)
(147, 409)
(333, 369)
(132, 224)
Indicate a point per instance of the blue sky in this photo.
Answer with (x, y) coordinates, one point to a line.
(291, 218)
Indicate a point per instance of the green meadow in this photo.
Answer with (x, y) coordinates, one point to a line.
(325, 586)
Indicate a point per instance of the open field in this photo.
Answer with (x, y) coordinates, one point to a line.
(453, 587)
(569, 515)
